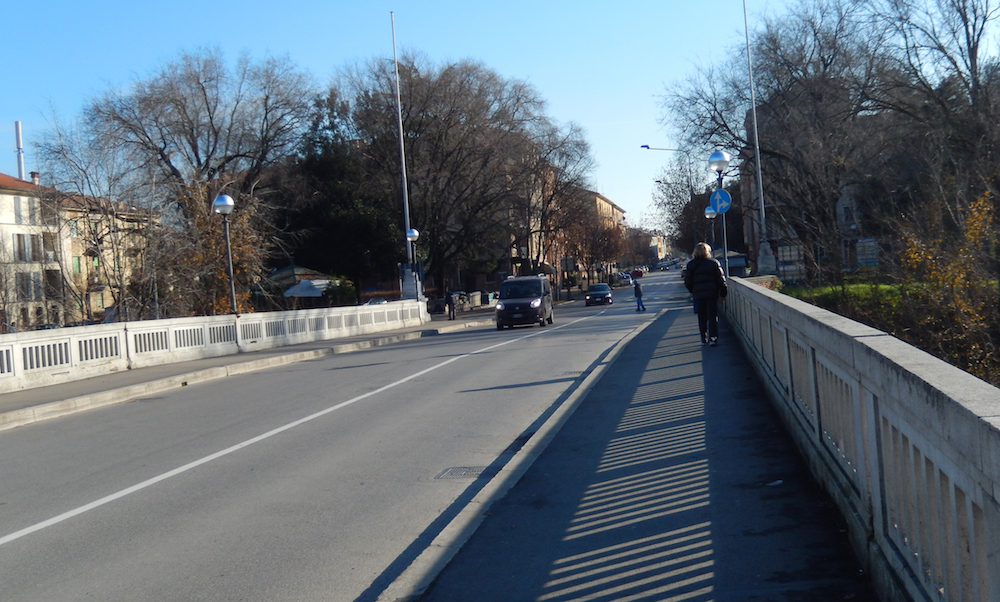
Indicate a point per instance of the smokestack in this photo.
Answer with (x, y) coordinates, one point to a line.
(35, 177)
(20, 150)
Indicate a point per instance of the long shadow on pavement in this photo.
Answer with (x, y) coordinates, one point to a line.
(673, 480)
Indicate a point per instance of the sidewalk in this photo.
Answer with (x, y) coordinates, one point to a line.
(18, 408)
(673, 480)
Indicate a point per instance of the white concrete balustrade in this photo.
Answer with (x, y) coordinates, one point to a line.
(45, 357)
(907, 445)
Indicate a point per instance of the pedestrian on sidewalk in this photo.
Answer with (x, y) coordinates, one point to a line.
(707, 284)
(638, 297)
(449, 301)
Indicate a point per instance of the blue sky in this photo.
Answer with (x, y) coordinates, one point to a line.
(598, 63)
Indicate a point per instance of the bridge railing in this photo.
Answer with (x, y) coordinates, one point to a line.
(45, 357)
(907, 445)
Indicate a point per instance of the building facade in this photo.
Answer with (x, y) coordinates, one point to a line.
(31, 277)
(63, 259)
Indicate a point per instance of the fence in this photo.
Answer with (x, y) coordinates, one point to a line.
(45, 357)
(907, 445)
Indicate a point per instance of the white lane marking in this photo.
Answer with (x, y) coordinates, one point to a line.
(225, 452)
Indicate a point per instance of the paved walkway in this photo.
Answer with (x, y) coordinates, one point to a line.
(673, 480)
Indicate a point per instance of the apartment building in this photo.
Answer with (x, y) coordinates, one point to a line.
(31, 279)
(63, 258)
(103, 244)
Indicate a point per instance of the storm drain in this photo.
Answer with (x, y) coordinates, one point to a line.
(462, 472)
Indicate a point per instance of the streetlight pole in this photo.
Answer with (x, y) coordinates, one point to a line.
(718, 162)
(690, 170)
(710, 215)
(224, 205)
(402, 169)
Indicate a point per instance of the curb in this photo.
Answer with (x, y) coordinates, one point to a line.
(416, 578)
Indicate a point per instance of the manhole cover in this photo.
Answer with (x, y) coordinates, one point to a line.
(461, 472)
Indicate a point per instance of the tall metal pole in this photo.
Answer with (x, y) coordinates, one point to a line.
(402, 151)
(229, 257)
(765, 258)
(725, 238)
(689, 178)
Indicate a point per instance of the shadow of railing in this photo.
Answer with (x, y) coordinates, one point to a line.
(650, 492)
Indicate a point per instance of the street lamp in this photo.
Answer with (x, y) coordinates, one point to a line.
(710, 214)
(689, 178)
(224, 205)
(412, 234)
(719, 162)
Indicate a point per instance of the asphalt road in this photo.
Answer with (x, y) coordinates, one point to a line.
(321, 480)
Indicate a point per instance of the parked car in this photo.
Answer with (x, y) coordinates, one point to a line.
(524, 300)
(598, 294)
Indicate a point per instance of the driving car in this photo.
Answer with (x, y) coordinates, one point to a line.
(524, 300)
(598, 294)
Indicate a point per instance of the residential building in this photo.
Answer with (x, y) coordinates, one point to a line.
(31, 278)
(63, 258)
(103, 244)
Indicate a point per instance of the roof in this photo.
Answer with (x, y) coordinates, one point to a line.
(12, 183)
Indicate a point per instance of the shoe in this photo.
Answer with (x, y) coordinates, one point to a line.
(713, 343)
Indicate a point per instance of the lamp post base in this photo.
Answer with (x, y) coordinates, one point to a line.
(767, 265)
(410, 283)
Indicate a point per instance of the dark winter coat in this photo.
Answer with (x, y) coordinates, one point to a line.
(704, 279)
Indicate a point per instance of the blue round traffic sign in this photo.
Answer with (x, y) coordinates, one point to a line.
(721, 201)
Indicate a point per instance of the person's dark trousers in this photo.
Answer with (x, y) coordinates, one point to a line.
(708, 318)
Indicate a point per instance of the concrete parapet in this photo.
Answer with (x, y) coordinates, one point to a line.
(47, 357)
(907, 445)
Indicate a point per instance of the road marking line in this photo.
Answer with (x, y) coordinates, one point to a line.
(229, 450)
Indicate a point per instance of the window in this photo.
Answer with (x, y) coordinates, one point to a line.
(27, 247)
(23, 281)
(74, 228)
(50, 246)
(17, 211)
(19, 248)
(53, 285)
(29, 286)
(36, 286)
(77, 269)
(97, 261)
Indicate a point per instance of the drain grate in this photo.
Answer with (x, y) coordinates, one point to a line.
(462, 472)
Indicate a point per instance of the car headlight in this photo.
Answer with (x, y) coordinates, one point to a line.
(499, 305)
(536, 303)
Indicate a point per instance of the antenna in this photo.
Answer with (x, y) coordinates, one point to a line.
(20, 150)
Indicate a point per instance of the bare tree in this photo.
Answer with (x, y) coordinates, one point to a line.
(595, 241)
(479, 150)
(817, 72)
(196, 129)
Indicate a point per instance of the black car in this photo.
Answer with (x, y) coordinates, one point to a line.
(524, 300)
(598, 294)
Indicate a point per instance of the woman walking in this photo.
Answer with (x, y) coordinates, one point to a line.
(705, 281)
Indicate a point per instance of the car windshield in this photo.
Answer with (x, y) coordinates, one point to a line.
(520, 290)
(598, 288)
